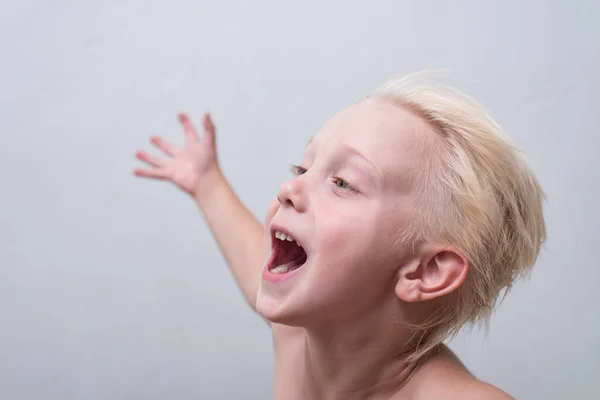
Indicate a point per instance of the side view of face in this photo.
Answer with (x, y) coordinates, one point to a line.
(331, 248)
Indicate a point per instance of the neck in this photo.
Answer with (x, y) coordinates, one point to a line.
(357, 360)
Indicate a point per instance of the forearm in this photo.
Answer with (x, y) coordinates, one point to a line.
(237, 232)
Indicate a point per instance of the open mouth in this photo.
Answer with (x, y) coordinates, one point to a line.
(287, 254)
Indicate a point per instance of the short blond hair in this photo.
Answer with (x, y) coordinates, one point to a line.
(477, 193)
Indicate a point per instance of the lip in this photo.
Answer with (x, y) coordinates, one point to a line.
(276, 227)
(278, 278)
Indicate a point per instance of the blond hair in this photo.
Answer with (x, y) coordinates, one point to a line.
(478, 194)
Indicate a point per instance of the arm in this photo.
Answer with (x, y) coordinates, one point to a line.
(195, 170)
(238, 234)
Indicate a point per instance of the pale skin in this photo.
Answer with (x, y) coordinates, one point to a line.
(335, 320)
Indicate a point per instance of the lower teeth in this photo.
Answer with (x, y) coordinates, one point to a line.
(280, 269)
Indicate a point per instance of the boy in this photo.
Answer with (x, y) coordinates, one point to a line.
(407, 217)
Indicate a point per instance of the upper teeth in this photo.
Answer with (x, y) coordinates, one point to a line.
(282, 236)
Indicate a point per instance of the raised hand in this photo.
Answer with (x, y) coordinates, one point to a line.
(193, 168)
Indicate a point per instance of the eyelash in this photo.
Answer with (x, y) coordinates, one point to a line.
(298, 170)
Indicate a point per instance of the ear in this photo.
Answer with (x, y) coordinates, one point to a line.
(435, 272)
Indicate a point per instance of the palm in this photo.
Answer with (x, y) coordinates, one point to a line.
(187, 167)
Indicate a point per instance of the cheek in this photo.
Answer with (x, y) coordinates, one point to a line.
(271, 211)
(356, 245)
(273, 207)
(349, 276)
(348, 250)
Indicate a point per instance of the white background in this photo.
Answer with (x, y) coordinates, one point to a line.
(112, 287)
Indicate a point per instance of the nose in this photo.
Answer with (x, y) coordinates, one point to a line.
(293, 194)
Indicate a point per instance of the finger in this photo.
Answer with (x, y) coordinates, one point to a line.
(150, 173)
(209, 129)
(165, 146)
(190, 132)
(150, 159)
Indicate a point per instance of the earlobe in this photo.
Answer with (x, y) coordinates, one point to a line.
(434, 273)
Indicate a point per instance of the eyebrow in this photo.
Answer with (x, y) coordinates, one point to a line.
(352, 151)
(356, 153)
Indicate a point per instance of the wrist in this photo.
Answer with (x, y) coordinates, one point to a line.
(206, 192)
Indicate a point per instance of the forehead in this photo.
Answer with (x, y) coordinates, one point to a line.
(392, 137)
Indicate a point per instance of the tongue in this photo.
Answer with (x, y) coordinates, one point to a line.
(291, 255)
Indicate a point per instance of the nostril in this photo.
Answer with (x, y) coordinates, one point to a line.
(282, 200)
(285, 200)
(292, 195)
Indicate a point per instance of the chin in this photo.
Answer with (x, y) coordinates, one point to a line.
(267, 307)
(279, 311)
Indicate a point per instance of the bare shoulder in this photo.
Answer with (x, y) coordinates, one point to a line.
(478, 390)
(458, 387)
(443, 376)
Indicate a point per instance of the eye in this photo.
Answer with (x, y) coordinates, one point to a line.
(342, 184)
(298, 170)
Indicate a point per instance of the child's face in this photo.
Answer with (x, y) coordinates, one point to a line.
(350, 198)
